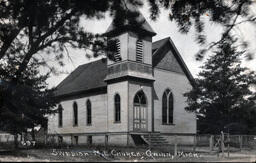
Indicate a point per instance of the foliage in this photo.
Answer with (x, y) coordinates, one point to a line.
(222, 98)
(32, 31)
(227, 13)
(25, 104)
(29, 27)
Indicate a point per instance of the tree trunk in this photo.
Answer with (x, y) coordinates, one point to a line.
(6, 45)
(33, 134)
(45, 135)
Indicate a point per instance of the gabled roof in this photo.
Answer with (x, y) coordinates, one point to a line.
(85, 77)
(158, 53)
(91, 75)
(157, 44)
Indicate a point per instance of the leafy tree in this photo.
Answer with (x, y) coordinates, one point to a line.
(191, 13)
(25, 104)
(32, 31)
(28, 27)
(222, 97)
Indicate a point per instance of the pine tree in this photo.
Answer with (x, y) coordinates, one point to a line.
(222, 97)
(31, 31)
(24, 105)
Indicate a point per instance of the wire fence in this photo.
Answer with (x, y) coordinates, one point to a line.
(237, 141)
(174, 142)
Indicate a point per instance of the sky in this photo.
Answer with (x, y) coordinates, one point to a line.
(185, 43)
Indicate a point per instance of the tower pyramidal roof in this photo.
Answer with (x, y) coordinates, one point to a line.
(137, 24)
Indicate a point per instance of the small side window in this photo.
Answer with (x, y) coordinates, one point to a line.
(117, 108)
(89, 112)
(60, 111)
(75, 114)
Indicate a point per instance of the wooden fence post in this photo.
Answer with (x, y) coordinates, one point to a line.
(149, 141)
(194, 144)
(222, 143)
(228, 145)
(106, 141)
(45, 136)
(241, 141)
(211, 143)
(175, 146)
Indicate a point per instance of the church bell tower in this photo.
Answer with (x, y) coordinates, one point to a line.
(130, 76)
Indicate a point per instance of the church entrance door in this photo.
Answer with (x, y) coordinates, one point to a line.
(140, 112)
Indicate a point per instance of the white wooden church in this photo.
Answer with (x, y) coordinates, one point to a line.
(121, 101)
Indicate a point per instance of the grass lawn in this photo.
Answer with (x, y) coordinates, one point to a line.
(96, 154)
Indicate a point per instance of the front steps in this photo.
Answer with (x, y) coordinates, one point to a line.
(153, 139)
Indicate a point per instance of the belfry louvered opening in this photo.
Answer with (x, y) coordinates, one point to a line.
(117, 55)
(139, 51)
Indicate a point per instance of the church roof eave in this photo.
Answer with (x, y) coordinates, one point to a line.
(83, 80)
(124, 29)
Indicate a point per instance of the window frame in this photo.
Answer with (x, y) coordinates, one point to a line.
(169, 109)
(88, 117)
(117, 114)
(75, 114)
(60, 116)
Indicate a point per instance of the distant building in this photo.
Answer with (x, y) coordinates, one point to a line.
(6, 141)
(117, 101)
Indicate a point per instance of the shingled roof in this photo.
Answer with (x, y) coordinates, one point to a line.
(85, 77)
(91, 75)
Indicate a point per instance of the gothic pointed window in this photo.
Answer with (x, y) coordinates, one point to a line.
(164, 108)
(140, 99)
(89, 112)
(75, 114)
(117, 54)
(117, 108)
(139, 51)
(167, 107)
(60, 111)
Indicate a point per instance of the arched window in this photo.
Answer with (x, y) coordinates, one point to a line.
(140, 98)
(117, 54)
(117, 108)
(167, 107)
(139, 51)
(89, 112)
(60, 111)
(75, 114)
